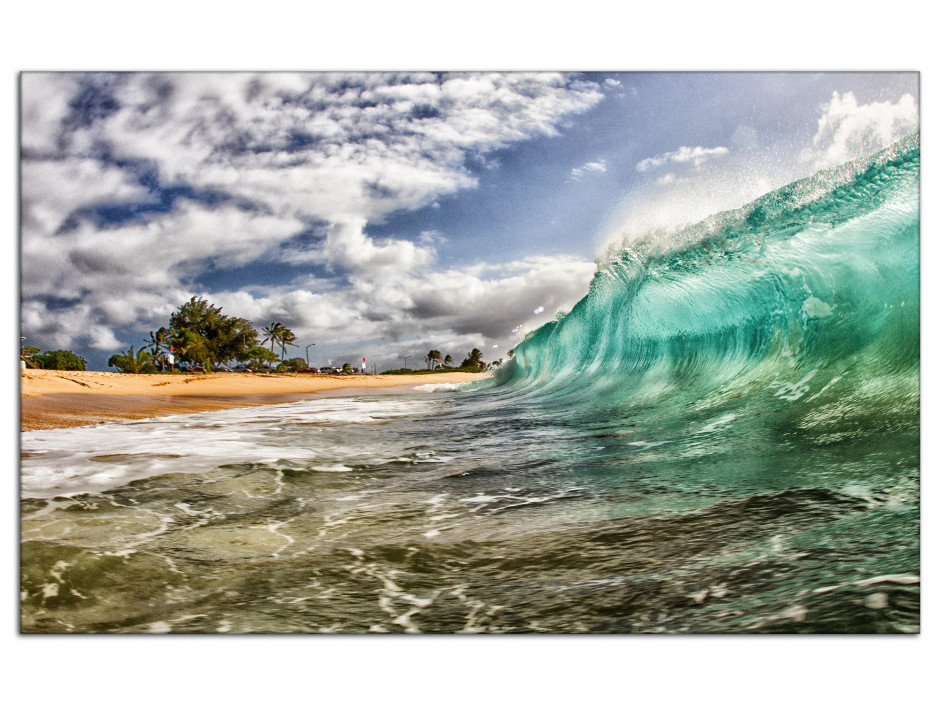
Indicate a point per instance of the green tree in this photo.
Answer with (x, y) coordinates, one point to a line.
(59, 360)
(347, 369)
(141, 363)
(272, 334)
(448, 361)
(257, 357)
(159, 344)
(231, 336)
(278, 334)
(432, 357)
(474, 360)
(201, 334)
(192, 348)
(287, 338)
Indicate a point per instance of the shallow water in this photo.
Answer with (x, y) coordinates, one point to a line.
(458, 513)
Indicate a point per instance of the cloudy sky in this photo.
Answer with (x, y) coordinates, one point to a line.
(380, 215)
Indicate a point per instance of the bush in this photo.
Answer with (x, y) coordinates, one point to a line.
(59, 360)
(295, 364)
(257, 357)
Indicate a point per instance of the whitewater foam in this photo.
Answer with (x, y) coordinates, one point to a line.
(95, 458)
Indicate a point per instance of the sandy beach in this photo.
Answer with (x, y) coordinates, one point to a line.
(57, 399)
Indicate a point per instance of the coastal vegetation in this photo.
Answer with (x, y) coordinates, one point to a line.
(474, 360)
(199, 337)
(436, 364)
(279, 334)
(295, 364)
(257, 358)
(141, 363)
(202, 336)
(51, 359)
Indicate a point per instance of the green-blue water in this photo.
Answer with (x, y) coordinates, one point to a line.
(722, 436)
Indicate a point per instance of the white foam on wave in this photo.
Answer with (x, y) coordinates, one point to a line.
(68, 461)
(441, 387)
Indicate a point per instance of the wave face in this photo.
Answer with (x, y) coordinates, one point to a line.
(804, 303)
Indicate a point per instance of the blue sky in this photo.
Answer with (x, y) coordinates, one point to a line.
(384, 214)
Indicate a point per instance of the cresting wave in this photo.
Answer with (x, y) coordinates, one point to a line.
(812, 287)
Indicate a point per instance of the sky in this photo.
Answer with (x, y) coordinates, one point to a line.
(382, 214)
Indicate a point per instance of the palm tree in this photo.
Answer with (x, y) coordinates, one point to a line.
(134, 364)
(433, 356)
(474, 359)
(287, 338)
(193, 347)
(280, 335)
(448, 361)
(157, 342)
(272, 333)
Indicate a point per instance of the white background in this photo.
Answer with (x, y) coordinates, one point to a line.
(485, 34)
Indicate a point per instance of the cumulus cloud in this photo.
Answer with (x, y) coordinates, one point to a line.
(847, 130)
(696, 156)
(134, 184)
(54, 189)
(597, 167)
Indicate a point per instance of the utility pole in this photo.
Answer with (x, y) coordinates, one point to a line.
(308, 353)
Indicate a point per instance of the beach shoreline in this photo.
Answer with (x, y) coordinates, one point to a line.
(60, 399)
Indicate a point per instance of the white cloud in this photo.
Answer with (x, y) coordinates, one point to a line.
(597, 167)
(52, 190)
(684, 155)
(147, 256)
(847, 130)
(259, 161)
(454, 309)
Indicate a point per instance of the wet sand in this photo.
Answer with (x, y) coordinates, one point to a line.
(54, 399)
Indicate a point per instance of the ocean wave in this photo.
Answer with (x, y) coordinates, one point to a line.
(810, 294)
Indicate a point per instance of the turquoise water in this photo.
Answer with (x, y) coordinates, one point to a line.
(722, 436)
